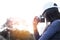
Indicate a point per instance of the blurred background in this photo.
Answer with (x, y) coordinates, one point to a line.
(23, 12)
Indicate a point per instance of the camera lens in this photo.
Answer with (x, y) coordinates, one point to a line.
(42, 19)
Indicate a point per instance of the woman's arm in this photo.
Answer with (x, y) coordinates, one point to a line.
(35, 23)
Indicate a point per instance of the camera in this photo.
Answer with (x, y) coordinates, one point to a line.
(42, 18)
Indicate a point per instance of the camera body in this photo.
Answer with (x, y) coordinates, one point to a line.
(42, 18)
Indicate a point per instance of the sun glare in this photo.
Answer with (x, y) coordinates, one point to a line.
(24, 10)
(23, 25)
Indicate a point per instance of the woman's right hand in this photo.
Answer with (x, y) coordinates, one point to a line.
(36, 21)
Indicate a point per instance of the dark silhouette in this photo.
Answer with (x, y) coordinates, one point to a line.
(52, 31)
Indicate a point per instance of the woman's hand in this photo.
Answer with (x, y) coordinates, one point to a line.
(36, 21)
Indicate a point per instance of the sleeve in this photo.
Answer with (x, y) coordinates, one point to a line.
(51, 30)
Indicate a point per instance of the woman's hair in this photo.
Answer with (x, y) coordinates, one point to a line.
(51, 14)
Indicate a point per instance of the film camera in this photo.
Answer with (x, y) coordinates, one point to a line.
(41, 18)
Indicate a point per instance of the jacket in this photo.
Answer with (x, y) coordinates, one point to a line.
(52, 32)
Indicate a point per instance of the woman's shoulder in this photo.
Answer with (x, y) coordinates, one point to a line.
(56, 21)
(55, 24)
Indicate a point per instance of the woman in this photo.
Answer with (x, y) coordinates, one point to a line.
(51, 32)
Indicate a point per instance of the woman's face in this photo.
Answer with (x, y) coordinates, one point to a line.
(47, 17)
